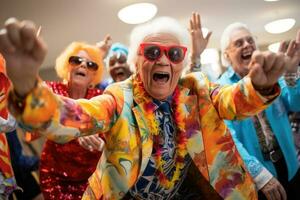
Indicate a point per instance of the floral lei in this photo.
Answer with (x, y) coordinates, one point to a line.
(181, 139)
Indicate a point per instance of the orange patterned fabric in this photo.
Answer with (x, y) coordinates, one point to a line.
(5, 164)
(122, 114)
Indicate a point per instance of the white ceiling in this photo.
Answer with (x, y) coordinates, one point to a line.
(64, 21)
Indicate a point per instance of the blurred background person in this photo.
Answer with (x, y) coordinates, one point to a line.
(116, 65)
(65, 168)
(265, 141)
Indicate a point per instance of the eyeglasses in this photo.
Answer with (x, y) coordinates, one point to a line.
(117, 58)
(152, 52)
(76, 60)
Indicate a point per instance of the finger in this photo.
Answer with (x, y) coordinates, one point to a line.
(208, 36)
(83, 142)
(191, 26)
(279, 65)
(100, 143)
(298, 36)
(93, 142)
(276, 194)
(192, 21)
(12, 26)
(100, 148)
(282, 47)
(291, 48)
(96, 140)
(270, 59)
(39, 50)
(282, 192)
(198, 21)
(271, 195)
(5, 45)
(28, 35)
(257, 58)
(107, 38)
(268, 196)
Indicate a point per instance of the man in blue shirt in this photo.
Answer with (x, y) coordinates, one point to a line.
(265, 141)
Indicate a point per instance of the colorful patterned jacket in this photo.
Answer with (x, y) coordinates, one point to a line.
(7, 180)
(121, 114)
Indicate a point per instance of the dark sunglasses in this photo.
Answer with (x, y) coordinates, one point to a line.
(152, 52)
(76, 60)
(117, 58)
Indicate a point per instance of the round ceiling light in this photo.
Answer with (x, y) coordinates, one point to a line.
(137, 13)
(274, 47)
(280, 26)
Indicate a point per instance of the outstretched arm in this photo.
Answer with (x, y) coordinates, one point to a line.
(33, 104)
(24, 53)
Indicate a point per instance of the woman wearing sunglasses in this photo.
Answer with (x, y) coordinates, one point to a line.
(156, 124)
(65, 168)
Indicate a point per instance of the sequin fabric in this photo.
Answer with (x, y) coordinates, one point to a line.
(65, 169)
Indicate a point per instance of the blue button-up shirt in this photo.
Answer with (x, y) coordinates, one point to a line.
(244, 133)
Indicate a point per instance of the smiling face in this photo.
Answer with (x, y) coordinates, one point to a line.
(80, 74)
(240, 50)
(159, 77)
(118, 67)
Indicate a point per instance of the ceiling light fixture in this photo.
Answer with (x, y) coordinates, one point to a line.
(274, 47)
(137, 13)
(280, 26)
(271, 0)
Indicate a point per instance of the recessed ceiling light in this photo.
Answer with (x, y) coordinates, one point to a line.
(274, 47)
(137, 13)
(280, 26)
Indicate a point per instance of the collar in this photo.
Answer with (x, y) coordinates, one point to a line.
(164, 105)
(232, 75)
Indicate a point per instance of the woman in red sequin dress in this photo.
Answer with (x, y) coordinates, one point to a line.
(65, 169)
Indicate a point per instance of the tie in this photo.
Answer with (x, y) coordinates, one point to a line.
(265, 134)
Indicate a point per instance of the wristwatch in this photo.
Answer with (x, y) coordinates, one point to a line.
(291, 78)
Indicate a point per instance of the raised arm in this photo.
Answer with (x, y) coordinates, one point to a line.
(33, 104)
(24, 53)
(199, 42)
(253, 92)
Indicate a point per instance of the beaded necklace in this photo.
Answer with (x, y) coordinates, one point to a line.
(178, 116)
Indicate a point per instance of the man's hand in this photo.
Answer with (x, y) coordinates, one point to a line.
(293, 53)
(199, 42)
(266, 68)
(91, 143)
(24, 53)
(273, 190)
(105, 45)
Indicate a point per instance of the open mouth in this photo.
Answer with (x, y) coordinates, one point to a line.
(80, 74)
(2, 96)
(120, 74)
(162, 77)
(246, 55)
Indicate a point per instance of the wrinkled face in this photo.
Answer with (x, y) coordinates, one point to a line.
(240, 50)
(161, 76)
(118, 67)
(83, 70)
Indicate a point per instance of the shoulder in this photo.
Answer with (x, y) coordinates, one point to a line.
(57, 87)
(194, 79)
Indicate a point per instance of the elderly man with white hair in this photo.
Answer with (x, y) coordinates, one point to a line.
(156, 123)
(265, 141)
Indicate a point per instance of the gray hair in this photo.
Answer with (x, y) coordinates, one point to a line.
(225, 39)
(158, 25)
